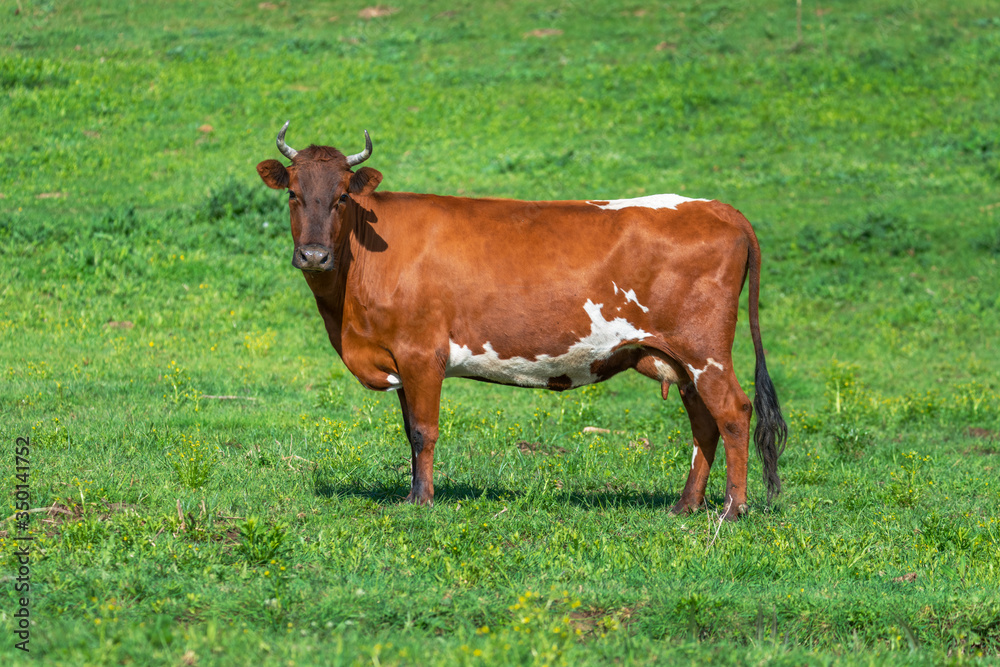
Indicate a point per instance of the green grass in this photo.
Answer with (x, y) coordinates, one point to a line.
(144, 269)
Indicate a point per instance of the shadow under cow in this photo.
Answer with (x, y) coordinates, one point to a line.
(453, 492)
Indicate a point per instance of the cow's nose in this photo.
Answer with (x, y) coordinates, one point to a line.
(313, 257)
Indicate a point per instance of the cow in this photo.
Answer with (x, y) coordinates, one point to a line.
(416, 288)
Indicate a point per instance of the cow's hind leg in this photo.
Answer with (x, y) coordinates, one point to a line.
(706, 439)
(667, 371)
(729, 406)
(420, 400)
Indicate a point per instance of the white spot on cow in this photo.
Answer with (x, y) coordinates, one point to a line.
(651, 201)
(630, 296)
(696, 372)
(605, 337)
(394, 382)
(694, 455)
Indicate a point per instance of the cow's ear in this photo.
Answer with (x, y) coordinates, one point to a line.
(274, 174)
(364, 181)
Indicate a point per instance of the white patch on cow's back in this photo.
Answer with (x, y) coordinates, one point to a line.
(650, 201)
(604, 338)
(696, 372)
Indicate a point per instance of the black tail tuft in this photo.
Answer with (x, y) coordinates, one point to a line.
(771, 432)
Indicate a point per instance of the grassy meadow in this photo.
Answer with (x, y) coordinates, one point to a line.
(221, 491)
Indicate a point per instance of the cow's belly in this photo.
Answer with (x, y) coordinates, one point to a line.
(592, 358)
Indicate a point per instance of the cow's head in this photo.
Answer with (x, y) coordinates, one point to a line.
(321, 187)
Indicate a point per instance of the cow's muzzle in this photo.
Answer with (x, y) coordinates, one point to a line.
(313, 257)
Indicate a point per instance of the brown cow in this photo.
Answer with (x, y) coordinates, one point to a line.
(416, 288)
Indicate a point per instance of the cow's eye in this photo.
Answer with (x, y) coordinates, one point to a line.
(343, 198)
(291, 195)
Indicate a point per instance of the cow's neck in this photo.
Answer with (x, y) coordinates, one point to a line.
(328, 288)
(343, 295)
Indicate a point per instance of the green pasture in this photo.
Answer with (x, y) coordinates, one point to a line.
(221, 491)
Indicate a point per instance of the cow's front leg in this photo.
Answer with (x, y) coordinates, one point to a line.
(420, 400)
(405, 410)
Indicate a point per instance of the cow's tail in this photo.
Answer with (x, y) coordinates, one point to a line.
(771, 432)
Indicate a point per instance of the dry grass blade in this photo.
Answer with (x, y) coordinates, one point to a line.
(36, 510)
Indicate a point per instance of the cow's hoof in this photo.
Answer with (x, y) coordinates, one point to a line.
(683, 507)
(734, 513)
(417, 499)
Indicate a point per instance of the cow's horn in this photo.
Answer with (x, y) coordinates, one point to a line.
(358, 158)
(285, 149)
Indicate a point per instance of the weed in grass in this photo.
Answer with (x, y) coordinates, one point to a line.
(542, 628)
(181, 391)
(260, 544)
(843, 393)
(86, 533)
(816, 472)
(805, 422)
(52, 434)
(258, 343)
(907, 484)
(193, 461)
